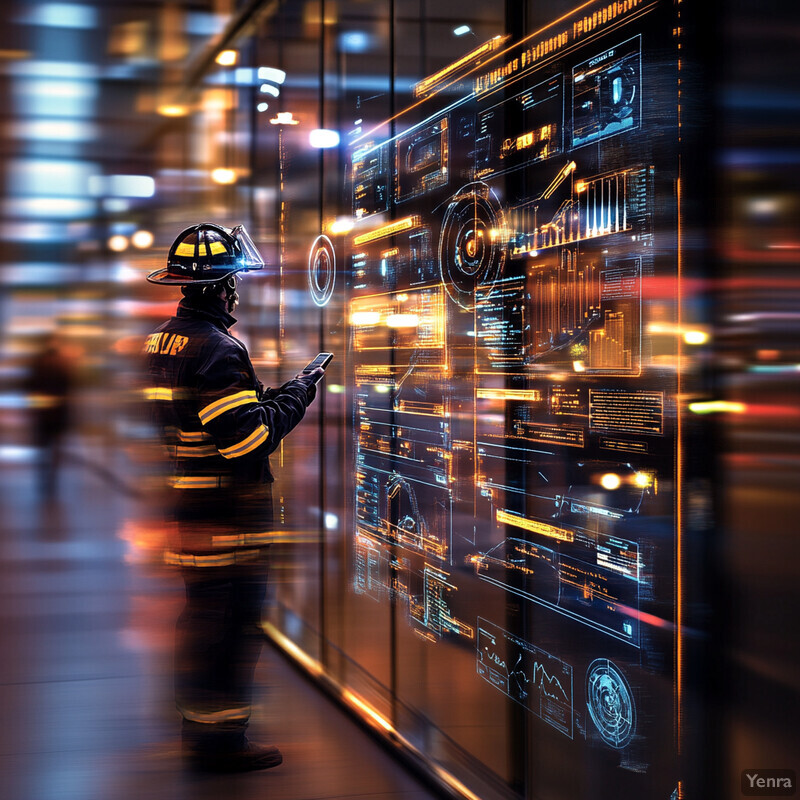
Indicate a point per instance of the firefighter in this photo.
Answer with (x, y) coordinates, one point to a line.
(219, 425)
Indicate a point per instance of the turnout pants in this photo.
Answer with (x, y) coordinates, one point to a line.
(218, 644)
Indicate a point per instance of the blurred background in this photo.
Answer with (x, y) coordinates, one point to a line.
(124, 122)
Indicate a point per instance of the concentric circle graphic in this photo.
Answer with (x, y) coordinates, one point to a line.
(611, 704)
(321, 270)
(471, 248)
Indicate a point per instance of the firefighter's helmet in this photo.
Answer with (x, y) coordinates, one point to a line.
(208, 253)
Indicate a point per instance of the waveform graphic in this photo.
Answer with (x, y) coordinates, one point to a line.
(548, 684)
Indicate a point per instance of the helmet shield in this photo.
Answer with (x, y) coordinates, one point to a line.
(250, 257)
(208, 253)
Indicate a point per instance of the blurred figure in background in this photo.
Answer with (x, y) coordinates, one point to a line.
(49, 389)
(219, 425)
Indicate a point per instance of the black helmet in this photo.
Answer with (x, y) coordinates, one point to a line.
(208, 253)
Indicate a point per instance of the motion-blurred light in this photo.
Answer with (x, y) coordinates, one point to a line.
(122, 186)
(402, 320)
(271, 74)
(354, 42)
(717, 407)
(323, 138)
(60, 15)
(342, 225)
(695, 337)
(223, 176)
(118, 243)
(55, 130)
(610, 481)
(142, 239)
(172, 110)
(268, 88)
(365, 318)
(227, 58)
(462, 30)
(284, 118)
(261, 107)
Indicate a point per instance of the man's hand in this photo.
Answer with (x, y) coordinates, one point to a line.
(310, 380)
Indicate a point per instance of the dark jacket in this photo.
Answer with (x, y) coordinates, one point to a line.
(219, 425)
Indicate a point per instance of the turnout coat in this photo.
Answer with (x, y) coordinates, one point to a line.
(218, 425)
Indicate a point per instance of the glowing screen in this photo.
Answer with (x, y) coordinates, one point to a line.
(515, 432)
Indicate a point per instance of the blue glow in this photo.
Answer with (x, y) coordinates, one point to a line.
(114, 205)
(271, 74)
(60, 15)
(201, 23)
(62, 70)
(54, 98)
(49, 177)
(53, 207)
(354, 42)
(461, 30)
(36, 274)
(55, 130)
(29, 231)
(122, 186)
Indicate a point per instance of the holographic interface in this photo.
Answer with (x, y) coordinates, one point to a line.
(515, 420)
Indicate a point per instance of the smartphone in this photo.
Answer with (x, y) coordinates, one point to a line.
(322, 360)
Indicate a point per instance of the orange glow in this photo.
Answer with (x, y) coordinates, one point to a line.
(405, 224)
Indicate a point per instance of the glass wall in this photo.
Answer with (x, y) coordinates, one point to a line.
(480, 210)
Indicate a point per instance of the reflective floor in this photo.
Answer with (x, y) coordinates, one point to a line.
(85, 671)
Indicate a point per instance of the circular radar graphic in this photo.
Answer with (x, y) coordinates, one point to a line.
(610, 703)
(321, 270)
(471, 250)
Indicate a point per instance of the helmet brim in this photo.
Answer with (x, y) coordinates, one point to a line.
(162, 277)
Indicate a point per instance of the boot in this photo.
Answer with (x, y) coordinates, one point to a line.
(225, 748)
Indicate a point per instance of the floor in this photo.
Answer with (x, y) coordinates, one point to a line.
(86, 646)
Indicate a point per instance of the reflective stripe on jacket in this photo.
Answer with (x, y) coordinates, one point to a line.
(218, 426)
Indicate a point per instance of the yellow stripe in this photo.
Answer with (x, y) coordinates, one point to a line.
(256, 438)
(196, 452)
(157, 393)
(221, 560)
(218, 407)
(228, 715)
(241, 539)
(218, 247)
(193, 436)
(196, 482)
(184, 249)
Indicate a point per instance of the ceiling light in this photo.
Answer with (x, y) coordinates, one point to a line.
(223, 176)
(118, 243)
(284, 118)
(227, 58)
(172, 110)
(323, 138)
(142, 239)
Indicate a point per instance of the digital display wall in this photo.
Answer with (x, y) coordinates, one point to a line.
(513, 452)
